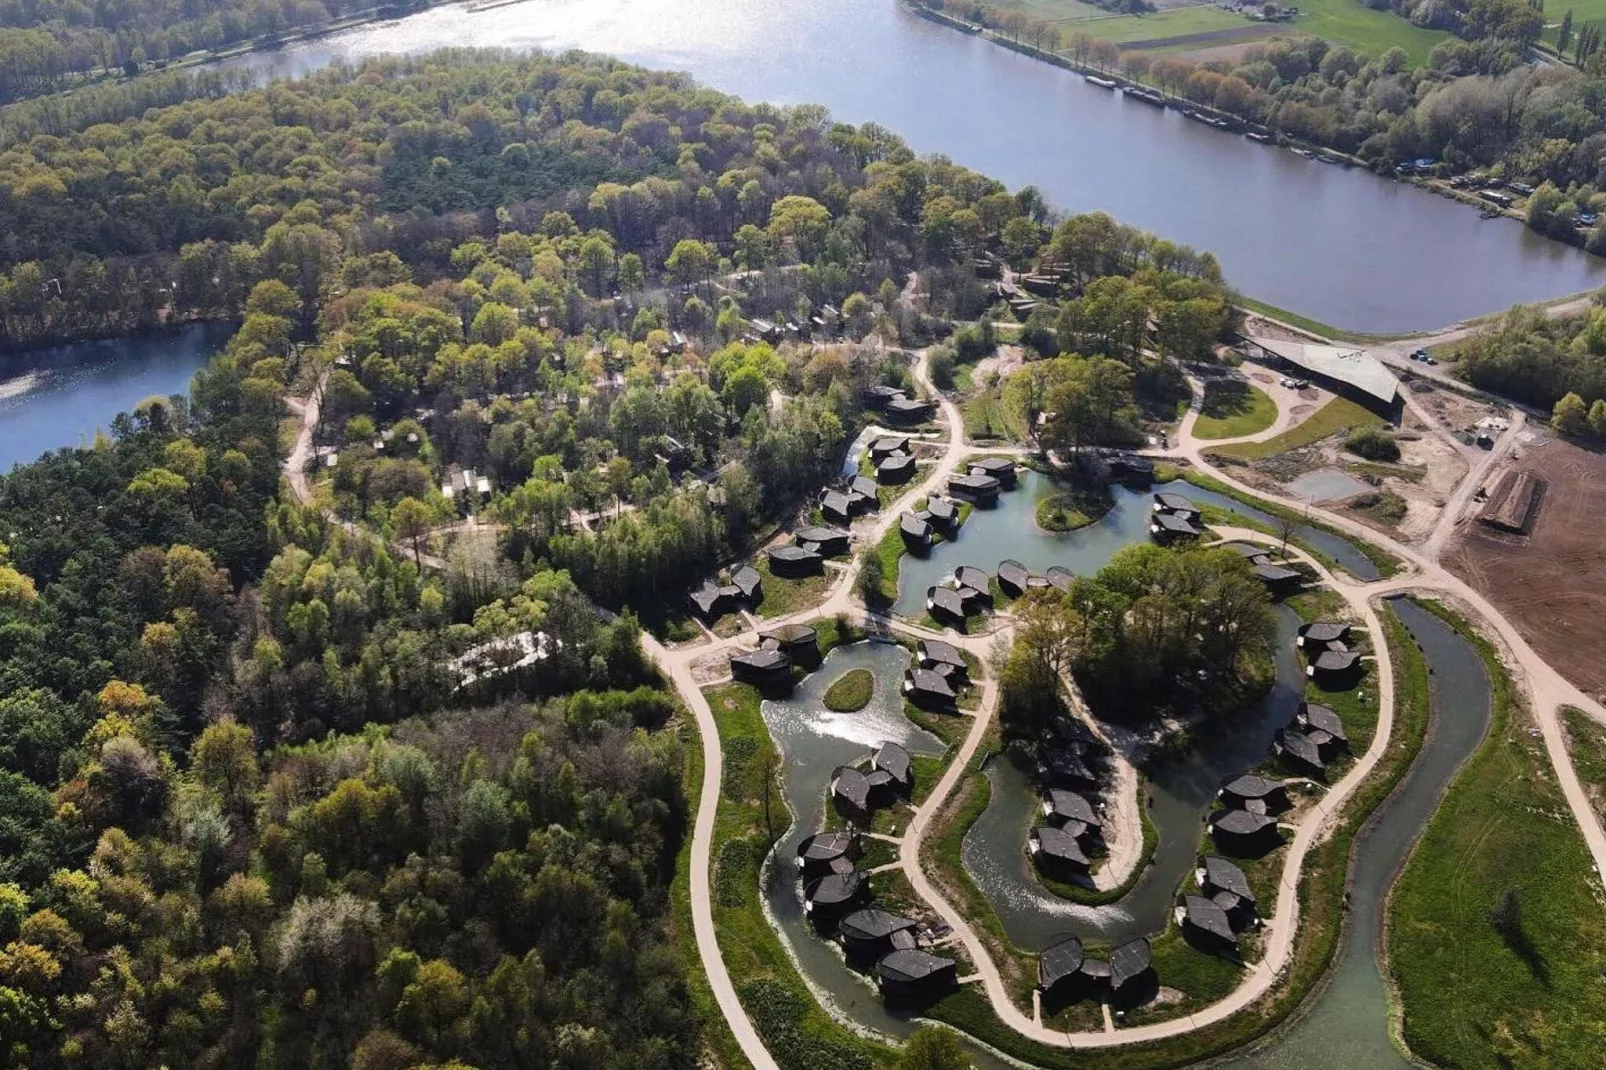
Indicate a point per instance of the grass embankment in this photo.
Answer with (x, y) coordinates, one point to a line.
(1387, 564)
(1069, 508)
(799, 1033)
(850, 692)
(784, 595)
(1233, 409)
(989, 416)
(1321, 900)
(1495, 935)
(1339, 414)
(1586, 740)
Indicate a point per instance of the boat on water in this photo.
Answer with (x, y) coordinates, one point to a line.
(1256, 135)
(1102, 83)
(1309, 155)
(1146, 95)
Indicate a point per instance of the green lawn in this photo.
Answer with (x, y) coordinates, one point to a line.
(785, 594)
(1484, 987)
(1174, 22)
(1233, 409)
(1352, 23)
(1586, 738)
(851, 691)
(987, 416)
(1340, 414)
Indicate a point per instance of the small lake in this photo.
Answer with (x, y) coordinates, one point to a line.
(1338, 244)
(1009, 530)
(53, 398)
(1182, 792)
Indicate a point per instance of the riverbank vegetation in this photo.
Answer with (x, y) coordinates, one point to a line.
(1233, 409)
(1506, 970)
(1542, 360)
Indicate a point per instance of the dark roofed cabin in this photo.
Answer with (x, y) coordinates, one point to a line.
(835, 894)
(827, 542)
(827, 852)
(1067, 768)
(761, 666)
(1129, 963)
(1240, 791)
(887, 445)
(895, 468)
(892, 759)
(1333, 664)
(1226, 886)
(795, 561)
(934, 653)
(1059, 963)
(1300, 752)
(1168, 527)
(1061, 577)
(1319, 722)
(1000, 468)
(794, 639)
(872, 933)
(1320, 634)
(972, 488)
(928, 690)
(880, 396)
(1166, 502)
(1279, 579)
(1012, 577)
(1130, 466)
(850, 794)
(1243, 832)
(1205, 925)
(914, 973)
(1247, 550)
(915, 531)
(709, 601)
(863, 488)
(749, 582)
(835, 507)
(1060, 806)
(972, 577)
(942, 512)
(1056, 851)
(908, 410)
(946, 604)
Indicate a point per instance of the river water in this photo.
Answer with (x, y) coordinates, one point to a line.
(59, 397)
(1339, 245)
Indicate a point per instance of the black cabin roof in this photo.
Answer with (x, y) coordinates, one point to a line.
(1071, 807)
(993, 464)
(896, 460)
(863, 485)
(1246, 549)
(1129, 961)
(930, 682)
(793, 553)
(1060, 843)
(912, 965)
(872, 924)
(940, 508)
(1176, 522)
(914, 527)
(1206, 915)
(895, 760)
(826, 846)
(1324, 719)
(940, 653)
(836, 888)
(763, 658)
(1324, 631)
(947, 599)
(1059, 961)
(1013, 571)
(1336, 660)
(972, 481)
(1175, 502)
(1275, 573)
(971, 576)
(852, 786)
(788, 634)
(1220, 873)
(1240, 822)
(747, 579)
(820, 534)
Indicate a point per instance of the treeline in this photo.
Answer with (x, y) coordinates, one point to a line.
(1539, 359)
(1155, 633)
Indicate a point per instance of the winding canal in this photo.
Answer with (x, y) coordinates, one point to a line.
(1337, 244)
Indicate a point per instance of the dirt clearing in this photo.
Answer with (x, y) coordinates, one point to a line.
(1550, 583)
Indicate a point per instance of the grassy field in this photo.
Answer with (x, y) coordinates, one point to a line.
(1352, 23)
(1496, 939)
(1174, 22)
(1337, 415)
(1586, 740)
(785, 594)
(987, 416)
(1233, 409)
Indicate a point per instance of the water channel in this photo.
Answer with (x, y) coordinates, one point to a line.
(1337, 244)
(52, 398)
(1009, 530)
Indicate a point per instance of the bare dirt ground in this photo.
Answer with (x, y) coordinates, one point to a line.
(1261, 327)
(1003, 363)
(1551, 583)
(1444, 467)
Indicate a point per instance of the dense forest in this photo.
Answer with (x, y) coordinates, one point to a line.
(350, 781)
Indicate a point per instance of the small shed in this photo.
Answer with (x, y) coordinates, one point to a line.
(1204, 924)
(795, 561)
(835, 894)
(928, 690)
(893, 760)
(915, 531)
(827, 852)
(1061, 806)
(914, 973)
(873, 933)
(1057, 851)
(981, 489)
(850, 793)
(1013, 577)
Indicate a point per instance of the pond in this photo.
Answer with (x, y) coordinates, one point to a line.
(1181, 790)
(1338, 244)
(1009, 530)
(52, 398)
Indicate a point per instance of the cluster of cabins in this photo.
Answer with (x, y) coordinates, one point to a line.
(1066, 973)
(1070, 770)
(769, 665)
(971, 592)
(896, 405)
(1222, 909)
(935, 680)
(1280, 580)
(1023, 292)
(855, 500)
(744, 590)
(982, 480)
(893, 459)
(1174, 518)
(838, 901)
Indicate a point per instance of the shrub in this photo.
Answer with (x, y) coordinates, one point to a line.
(1373, 444)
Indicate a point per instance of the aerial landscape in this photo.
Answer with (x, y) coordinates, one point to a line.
(867, 534)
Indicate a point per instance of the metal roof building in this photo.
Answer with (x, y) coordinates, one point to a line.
(1341, 364)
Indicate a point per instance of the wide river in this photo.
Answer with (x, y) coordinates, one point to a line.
(1337, 244)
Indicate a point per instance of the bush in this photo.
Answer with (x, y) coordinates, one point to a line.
(942, 367)
(1373, 444)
